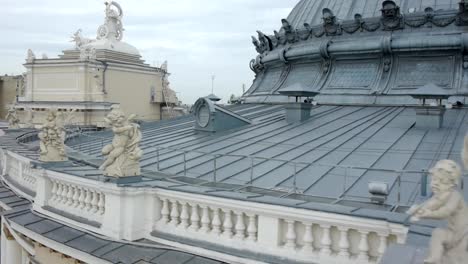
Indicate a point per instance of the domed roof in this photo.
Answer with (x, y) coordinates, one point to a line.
(114, 45)
(310, 11)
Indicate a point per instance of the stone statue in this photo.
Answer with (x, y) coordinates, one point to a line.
(31, 57)
(79, 40)
(112, 28)
(123, 154)
(447, 246)
(12, 118)
(391, 16)
(52, 137)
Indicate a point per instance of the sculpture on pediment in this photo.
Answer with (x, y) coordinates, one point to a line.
(450, 245)
(112, 28)
(12, 118)
(330, 24)
(80, 40)
(265, 42)
(391, 16)
(124, 153)
(288, 31)
(305, 32)
(257, 45)
(31, 56)
(462, 16)
(52, 137)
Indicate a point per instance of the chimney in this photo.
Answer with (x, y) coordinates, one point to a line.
(430, 115)
(299, 111)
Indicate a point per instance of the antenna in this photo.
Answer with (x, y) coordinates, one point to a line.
(212, 83)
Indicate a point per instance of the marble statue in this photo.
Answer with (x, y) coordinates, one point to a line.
(12, 118)
(31, 57)
(79, 40)
(450, 245)
(123, 154)
(112, 28)
(52, 137)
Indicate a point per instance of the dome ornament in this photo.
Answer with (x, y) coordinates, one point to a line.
(112, 27)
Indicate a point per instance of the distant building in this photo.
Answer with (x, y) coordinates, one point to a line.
(8, 91)
(95, 76)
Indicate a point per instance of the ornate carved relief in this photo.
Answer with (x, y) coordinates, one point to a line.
(462, 16)
(391, 16)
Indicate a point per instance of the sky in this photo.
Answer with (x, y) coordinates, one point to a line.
(198, 38)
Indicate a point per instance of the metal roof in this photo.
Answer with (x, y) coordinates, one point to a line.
(330, 158)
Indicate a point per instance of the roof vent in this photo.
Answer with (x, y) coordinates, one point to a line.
(378, 191)
(298, 111)
(210, 117)
(430, 115)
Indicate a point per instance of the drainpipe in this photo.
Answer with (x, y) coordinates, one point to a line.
(104, 76)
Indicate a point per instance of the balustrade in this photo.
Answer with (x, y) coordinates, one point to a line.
(81, 201)
(208, 220)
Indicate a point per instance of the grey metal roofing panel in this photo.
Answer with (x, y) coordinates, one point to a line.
(133, 254)
(172, 257)
(63, 234)
(86, 243)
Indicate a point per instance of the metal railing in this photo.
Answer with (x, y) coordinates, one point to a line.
(289, 185)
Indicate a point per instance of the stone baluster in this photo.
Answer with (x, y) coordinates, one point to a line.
(290, 234)
(194, 218)
(184, 216)
(76, 195)
(344, 242)
(363, 247)
(382, 244)
(240, 226)
(60, 193)
(165, 211)
(252, 228)
(71, 192)
(95, 201)
(227, 224)
(102, 203)
(81, 199)
(326, 240)
(216, 224)
(53, 192)
(308, 239)
(205, 220)
(88, 199)
(64, 194)
(175, 213)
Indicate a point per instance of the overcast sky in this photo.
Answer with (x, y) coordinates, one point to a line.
(198, 38)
